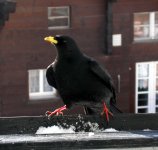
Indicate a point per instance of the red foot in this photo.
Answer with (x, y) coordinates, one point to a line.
(106, 111)
(56, 112)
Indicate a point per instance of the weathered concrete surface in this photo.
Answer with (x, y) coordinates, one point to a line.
(18, 133)
(80, 140)
(125, 122)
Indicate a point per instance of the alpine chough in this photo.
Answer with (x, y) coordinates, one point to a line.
(79, 79)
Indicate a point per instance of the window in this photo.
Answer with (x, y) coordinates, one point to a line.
(147, 87)
(58, 17)
(38, 86)
(145, 26)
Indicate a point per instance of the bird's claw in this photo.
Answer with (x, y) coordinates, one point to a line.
(107, 112)
(57, 112)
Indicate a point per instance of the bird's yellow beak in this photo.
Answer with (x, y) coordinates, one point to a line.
(51, 39)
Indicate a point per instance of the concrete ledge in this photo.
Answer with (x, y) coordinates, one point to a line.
(80, 141)
(19, 132)
(121, 122)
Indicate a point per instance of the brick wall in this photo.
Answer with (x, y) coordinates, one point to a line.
(22, 48)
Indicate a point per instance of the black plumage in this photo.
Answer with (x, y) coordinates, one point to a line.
(79, 79)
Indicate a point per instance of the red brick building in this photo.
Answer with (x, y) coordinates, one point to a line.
(121, 34)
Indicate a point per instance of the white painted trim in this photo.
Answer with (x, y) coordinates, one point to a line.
(151, 87)
(152, 25)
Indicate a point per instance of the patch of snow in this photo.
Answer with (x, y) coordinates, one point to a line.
(81, 125)
(110, 130)
(58, 129)
(90, 133)
(54, 129)
(146, 130)
(93, 127)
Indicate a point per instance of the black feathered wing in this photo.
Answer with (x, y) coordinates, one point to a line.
(51, 76)
(104, 76)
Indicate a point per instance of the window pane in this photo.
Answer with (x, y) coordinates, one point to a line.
(141, 31)
(58, 11)
(141, 19)
(156, 24)
(156, 98)
(156, 69)
(54, 22)
(58, 16)
(156, 30)
(156, 18)
(33, 81)
(142, 99)
(47, 88)
(143, 70)
(156, 84)
(143, 85)
(142, 110)
(141, 25)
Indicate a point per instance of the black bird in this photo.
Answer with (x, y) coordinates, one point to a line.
(79, 79)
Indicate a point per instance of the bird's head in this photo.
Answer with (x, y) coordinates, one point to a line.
(64, 44)
(60, 40)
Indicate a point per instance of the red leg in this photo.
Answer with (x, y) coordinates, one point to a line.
(106, 111)
(57, 112)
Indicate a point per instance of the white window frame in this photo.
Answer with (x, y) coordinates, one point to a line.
(151, 27)
(151, 107)
(41, 94)
(59, 17)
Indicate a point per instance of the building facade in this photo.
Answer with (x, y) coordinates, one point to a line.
(121, 34)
